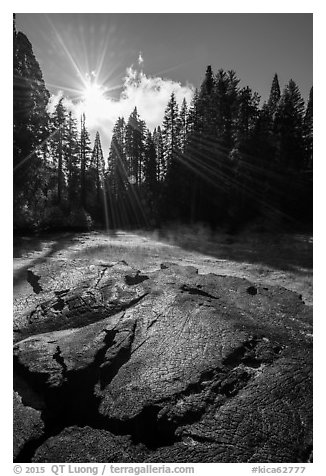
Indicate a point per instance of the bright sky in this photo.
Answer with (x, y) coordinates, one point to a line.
(106, 64)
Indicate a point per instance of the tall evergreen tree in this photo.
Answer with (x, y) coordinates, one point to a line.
(248, 112)
(245, 180)
(97, 162)
(85, 151)
(221, 104)
(274, 96)
(193, 114)
(158, 141)
(183, 119)
(150, 165)
(117, 163)
(73, 159)
(289, 127)
(308, 130)
(151, 187)
(231, 109)
(58, 142)
(173, 190)
(30, 119)
(171, 138)
(263, 139)
(205, 105)
(191, 150)
(117, 175)
(135, 142)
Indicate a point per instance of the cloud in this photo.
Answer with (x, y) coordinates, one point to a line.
(150, 94)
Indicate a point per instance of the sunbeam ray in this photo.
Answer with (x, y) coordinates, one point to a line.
(66, 50)
(38, 148)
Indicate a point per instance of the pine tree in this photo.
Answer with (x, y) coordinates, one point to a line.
(30, 120)
(117, 175)
(58, 145)
(193, 115)
(269, 110)
(208, 83)
(117, 163)
(158, 141)
(274, 96)
(97, 162)
(263, 139)
(289, 127)
(150, 164)
(183, 119)
(308, 130)
(205, 105)
(173, 192)
(191, 150)
(135, 141)
(221, 104)
(72, 159)
(171, 138)
(85, 151)
(248, 112)
(246, 178)
(231, 109)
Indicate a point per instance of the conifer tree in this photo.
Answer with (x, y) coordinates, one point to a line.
(171, 138)
(158, 141)
(30, 119)
(248, 112)
(72, 159)
(246, 179)
(263, 139)
(193, 115)
(308, 130)
(97, 162)
(183, 119)
(58, 142)
(173, 191)
(151, 187)
(150, 164)
(205, 105)
(191, 150)
(117, 176)
(85, 151)
(117, 163)
(221, 105)
(274, 96)
(289, 127)
(135, 142)
(231, 109)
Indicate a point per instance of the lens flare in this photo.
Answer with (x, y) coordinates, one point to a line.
(94, 102)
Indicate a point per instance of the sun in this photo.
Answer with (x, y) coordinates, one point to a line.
(94, 102)
(93, 93)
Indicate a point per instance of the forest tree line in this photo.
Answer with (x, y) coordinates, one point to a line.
(222, 159)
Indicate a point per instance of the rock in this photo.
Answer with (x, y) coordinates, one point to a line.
(196, 368)
(27, 424)
(87, 445)
(103, 291)
(252, 424)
